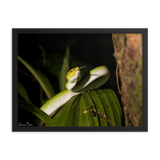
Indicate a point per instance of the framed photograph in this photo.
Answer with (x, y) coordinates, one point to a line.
(80, 79)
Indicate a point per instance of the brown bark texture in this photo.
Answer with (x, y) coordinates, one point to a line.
(128, 54)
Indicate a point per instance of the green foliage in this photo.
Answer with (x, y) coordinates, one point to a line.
(64, 70)
(23, 92)
(41, 78)
(93, 108)
(34, 110)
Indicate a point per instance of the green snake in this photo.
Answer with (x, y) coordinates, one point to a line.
(75, 85)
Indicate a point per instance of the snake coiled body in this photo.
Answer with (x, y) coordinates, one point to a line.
(96, 77)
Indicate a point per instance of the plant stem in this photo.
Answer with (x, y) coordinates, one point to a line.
(26, 74)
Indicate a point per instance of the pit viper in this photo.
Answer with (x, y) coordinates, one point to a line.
(75, 85)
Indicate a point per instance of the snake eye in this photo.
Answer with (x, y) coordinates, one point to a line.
(72, 70)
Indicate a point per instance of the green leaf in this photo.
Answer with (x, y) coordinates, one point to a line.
(41, 78)
(64, 70)
(62, 120)
(85, 116)
(34, 110)
(101, 114)
(107, 107)
(73, 116)
(115, 105)
(23, 92)
(93, 108)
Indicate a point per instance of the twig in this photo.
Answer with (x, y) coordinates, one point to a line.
(26, 74)
(117, 80)
(43, 55)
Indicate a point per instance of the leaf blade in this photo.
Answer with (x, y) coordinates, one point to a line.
(115, 105)
(34, 110)
(64, 70)
(62, 120)
(42, 79)
(99, 107)
(107, 107)
(23, 92)
(90, 106)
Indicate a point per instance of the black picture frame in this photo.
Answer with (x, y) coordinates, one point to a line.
(13, 52)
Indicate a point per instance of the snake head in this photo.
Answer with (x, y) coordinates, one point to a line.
(74, 75)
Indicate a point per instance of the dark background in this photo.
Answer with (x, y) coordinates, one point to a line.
(92, 50)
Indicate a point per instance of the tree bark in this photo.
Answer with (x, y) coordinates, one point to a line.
(128, 54)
